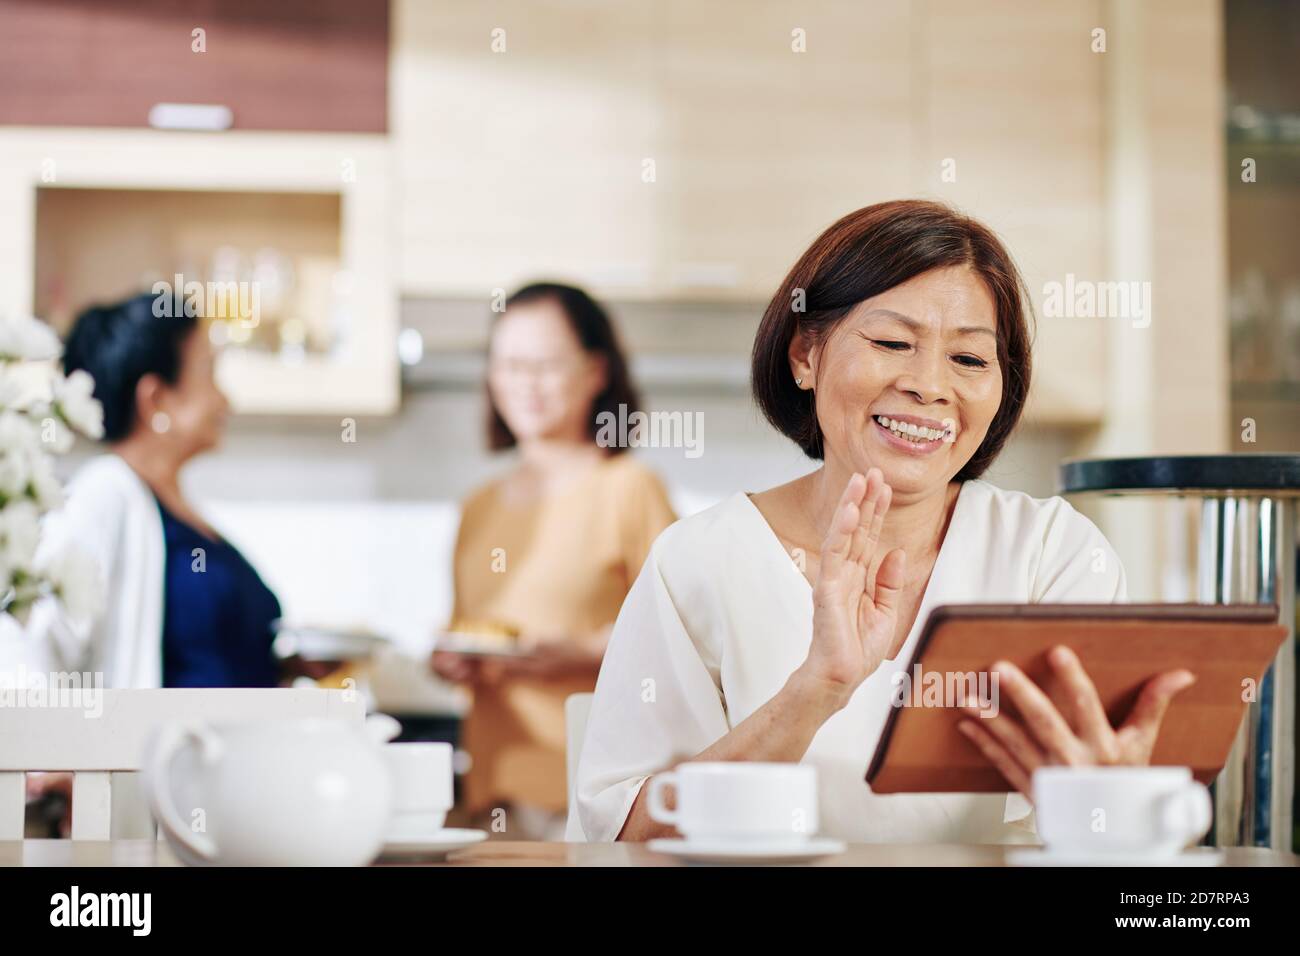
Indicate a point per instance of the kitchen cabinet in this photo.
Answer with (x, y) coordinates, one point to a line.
(671, 150)
(1262, 157)
(762, 128)
(774, 124)
(521, 131)
(1010, 127)
(89, 215)
(319, 65)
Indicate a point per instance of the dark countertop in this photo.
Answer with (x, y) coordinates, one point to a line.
(1251, 474)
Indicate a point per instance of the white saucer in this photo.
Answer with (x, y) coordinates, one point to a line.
(722, 851)
(417, 826)
(1039, 856)
(432, 846)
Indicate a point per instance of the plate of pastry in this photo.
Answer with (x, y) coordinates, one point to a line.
(475, 638)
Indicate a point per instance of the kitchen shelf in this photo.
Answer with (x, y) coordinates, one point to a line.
(336, 187)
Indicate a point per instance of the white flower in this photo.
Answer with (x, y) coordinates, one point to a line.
(76, 581)
(15, 471)
(74, 398)
(20, 529)
(13, 389)
(39, 409)
(27, 339)
(18, 433)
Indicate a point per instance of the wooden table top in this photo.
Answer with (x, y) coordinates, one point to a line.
(504, 853)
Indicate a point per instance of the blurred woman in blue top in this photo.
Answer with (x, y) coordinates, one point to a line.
(184, 608)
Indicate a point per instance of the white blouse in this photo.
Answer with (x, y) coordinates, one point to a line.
(720, 616)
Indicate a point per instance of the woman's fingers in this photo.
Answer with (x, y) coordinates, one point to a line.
(889, 582)
(878, 615)
(997, 755)
(1083, 705)
(1139, 732)
(839, 537)
(453, 667)
(871, 518)
(1042, 735)
(440, 661)
(1009, 735)
(1039, 716)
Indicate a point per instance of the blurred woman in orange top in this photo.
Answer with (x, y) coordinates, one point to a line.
(548, 551)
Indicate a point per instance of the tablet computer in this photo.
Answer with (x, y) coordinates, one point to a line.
(1228, 646)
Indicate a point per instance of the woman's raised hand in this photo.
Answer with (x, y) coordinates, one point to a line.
(854, 616)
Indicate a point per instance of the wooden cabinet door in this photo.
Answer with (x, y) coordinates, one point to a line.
(778, 119)
(1011, 128)
(521, 129)
(284, 65)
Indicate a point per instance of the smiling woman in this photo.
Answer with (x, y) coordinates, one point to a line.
(772, 626)
(935, 296)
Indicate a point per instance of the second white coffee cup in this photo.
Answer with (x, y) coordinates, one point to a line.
(422, 786)
(745, 802)
(1153, 811)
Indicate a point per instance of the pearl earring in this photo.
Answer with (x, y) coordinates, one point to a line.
(161, 423)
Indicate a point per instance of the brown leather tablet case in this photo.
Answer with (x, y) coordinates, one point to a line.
(1229, 647)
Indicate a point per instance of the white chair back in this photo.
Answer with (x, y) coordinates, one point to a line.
(100, 736)
(577, 708)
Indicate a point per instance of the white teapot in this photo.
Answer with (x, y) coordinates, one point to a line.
(310, 792)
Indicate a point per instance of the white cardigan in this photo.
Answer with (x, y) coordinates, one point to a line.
(112, 516)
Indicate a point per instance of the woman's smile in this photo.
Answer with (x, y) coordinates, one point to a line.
(912, 435)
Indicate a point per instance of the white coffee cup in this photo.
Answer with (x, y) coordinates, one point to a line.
(1153, 811)
(738, 802)
(422, 786)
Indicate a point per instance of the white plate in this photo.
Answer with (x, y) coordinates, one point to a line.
(1037, 856)
(323, 644)
(700, 851)
(435, 846)
(474, 645)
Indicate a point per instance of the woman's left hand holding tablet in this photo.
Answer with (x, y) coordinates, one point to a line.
(1074, 730)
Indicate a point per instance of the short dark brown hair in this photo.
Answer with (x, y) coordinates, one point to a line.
(862, 255)
(596, 335)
